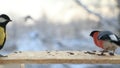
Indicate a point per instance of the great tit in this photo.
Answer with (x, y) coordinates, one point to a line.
(4, 19)
(106, 40)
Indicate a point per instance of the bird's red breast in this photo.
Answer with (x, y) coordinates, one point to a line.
(98, 42)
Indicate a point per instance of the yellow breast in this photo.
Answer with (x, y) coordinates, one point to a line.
(2, 35)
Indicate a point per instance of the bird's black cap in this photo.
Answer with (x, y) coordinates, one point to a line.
(91, 34)
(5, 16)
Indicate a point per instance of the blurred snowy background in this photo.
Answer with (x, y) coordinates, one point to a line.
(58, 25)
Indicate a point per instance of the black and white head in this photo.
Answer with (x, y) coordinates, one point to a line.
(4, 19)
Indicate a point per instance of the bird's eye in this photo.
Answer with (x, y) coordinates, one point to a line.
(2, 20)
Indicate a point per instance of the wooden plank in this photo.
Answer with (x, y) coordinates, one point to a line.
(55, 57)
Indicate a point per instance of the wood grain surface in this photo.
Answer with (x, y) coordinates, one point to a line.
(55, 57)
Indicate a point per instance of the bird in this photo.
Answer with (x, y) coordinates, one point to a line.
(4, 20)
(106, 40)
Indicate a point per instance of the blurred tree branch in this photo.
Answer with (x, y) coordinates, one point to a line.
(103, 21)
(88, 10)
(118, 6)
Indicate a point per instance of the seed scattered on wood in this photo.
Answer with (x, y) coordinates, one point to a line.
(94, 51)
(18, 52)
(89, 52)
(70, 53)
(48, 52)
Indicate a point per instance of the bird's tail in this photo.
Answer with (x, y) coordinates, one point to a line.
(116, 42)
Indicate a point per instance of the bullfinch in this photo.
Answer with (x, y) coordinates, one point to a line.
(4, 19)
(106, 40)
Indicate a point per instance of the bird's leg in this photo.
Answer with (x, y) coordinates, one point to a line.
(102, 53)
(112, 53)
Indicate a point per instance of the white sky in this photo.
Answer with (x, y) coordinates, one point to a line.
(57, 10)
(21, 7)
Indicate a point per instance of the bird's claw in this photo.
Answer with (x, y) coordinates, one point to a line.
(112, 54)
(3, 55)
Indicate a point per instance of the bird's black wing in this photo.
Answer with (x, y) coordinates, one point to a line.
(107, 35)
